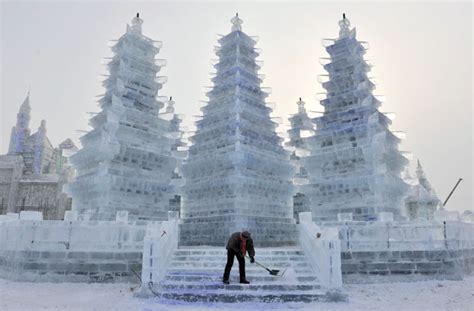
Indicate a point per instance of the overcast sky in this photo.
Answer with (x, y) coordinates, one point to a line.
(421, 52)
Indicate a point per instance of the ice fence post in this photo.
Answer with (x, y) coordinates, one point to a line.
(161, 240)
(323, 252)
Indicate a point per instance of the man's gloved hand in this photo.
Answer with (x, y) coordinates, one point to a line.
(252, 259)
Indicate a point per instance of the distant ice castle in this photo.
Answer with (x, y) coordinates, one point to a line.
(33, 172)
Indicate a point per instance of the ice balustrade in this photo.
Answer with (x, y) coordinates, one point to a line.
(161, 240)
(37, 235)
(323, 249)
(401, 236)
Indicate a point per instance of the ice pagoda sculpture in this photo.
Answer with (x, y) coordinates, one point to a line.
(353, 161)
(421, 201)
(178, 148)
(238, 175)
(126, 162)
(301, 125)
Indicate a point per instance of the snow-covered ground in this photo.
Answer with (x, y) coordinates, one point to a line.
(426, 296)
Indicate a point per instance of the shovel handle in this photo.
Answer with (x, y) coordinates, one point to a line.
(259, 264)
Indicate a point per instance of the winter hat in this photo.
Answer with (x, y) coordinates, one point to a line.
(246, 234)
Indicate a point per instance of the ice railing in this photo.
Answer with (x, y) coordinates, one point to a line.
(402, 236)
(161, 241)
(28, 231)
(323, 250)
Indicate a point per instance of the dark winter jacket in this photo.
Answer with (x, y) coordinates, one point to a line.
(235, 241)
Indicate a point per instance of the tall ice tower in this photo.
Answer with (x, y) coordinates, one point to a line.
(126, 162)
(354, 164)
(300, 124)
(238, 176)
(21, 131)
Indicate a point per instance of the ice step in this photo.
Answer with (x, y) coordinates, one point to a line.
(206, 264)
(218, 277)
(240, 296)
(223, 257)
(220, 270)
(219, 286)
(223, 252)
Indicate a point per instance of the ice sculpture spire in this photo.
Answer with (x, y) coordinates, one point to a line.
(236, 23)
(238, 175)
(126, 162)
(21, 130)
(421, 201)
(353, 161)
(420, 174)
(344, 26)
(170, 105)
(136, 25)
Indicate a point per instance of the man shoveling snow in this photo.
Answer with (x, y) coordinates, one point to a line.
(239, 243)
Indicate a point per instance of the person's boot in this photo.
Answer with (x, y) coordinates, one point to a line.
(244, 281)
(225, 281)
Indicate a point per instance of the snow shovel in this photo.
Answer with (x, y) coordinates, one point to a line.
(272, 271)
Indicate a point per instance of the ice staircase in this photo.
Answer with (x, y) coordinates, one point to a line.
(194, 274)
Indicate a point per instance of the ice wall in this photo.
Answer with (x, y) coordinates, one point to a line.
(35, 250)
(388, 251)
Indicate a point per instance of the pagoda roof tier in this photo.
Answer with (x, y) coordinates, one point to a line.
(125, 101)
(140, 41)
(345, 45)
(237, 36)
(227, 143)
(236, 47)
(262, 164)
(231, 73)
(339, 129)
(356, 97)
(216, 118)
(228, 63)
(344, 83)
(141, 64)
(255, 93)
(244, 127)
(345, 63)
(216, 107)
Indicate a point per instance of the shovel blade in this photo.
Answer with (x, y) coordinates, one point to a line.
(274, 272)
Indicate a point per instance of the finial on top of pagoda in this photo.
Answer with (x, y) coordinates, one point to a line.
(236, 22)
(137, 24)
(344, 25)
(170, 105)
(42, 125)
(300, 104)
